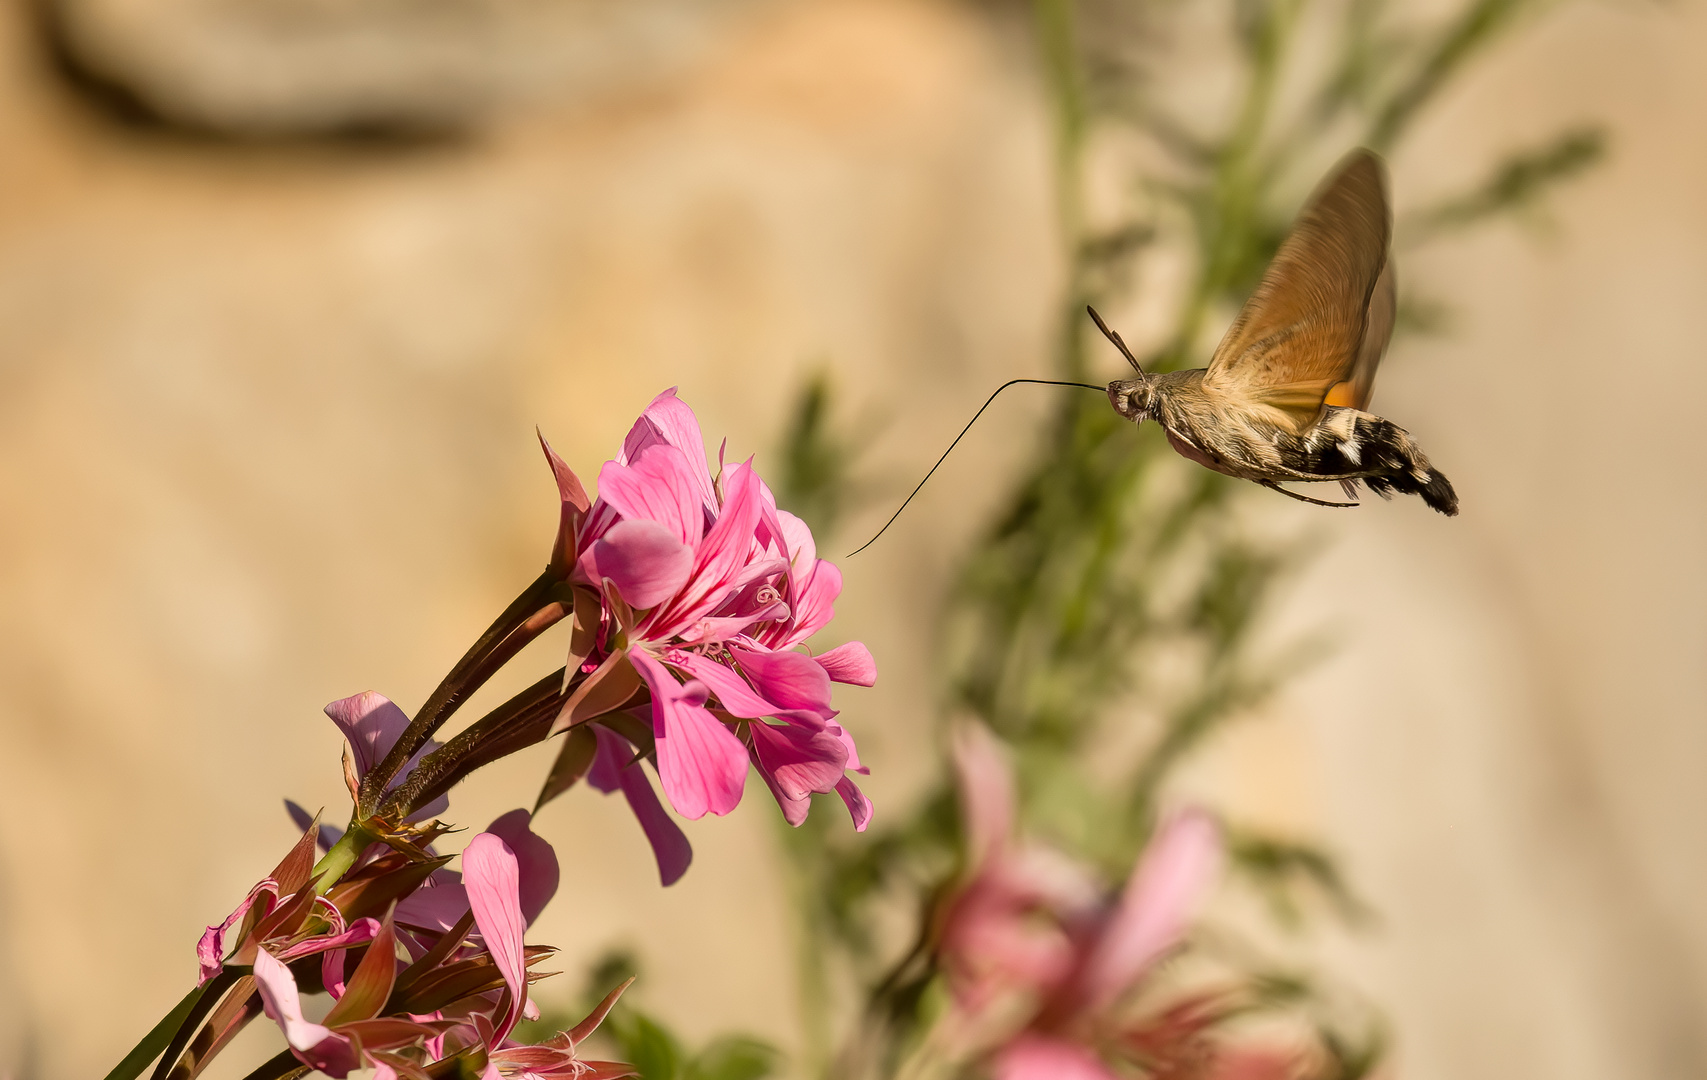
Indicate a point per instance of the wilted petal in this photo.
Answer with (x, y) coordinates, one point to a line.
(657, 486)
(1157, 904)
(788, 679)
(371, 724)
(701, 762)
(1036, 1057)
(536, 861)
(210, 950)
(315, 1044)
(491, 875)
(642, 558)
(986, 791)
(851, 663)
(802, 759)
(360, 932)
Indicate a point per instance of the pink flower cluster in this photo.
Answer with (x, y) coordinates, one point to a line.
(706, 593)
(1040, 965)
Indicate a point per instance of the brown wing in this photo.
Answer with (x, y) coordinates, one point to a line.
(1377, 329)
(1300, 333)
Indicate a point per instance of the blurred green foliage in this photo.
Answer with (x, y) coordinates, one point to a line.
(634, 1036)
(1118, 582)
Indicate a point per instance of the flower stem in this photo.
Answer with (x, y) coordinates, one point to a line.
(525, 619)
(157, 1039)
(343, 855)
(281, 1065)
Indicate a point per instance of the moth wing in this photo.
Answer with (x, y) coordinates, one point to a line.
(1355, 392)
(1303, 329)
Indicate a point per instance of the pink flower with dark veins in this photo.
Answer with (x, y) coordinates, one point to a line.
(706, 594)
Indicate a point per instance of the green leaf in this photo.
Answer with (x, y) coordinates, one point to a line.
(651, 1049)
(734, 1057)
(157, 1039)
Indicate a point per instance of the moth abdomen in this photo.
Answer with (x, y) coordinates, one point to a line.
(1349, 443)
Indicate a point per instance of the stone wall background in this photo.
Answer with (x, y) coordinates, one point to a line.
(265, 440)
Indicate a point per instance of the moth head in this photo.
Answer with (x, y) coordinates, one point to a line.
(1132, 398)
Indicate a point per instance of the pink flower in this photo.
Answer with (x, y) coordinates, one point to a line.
(1027, 931)
(706, 594)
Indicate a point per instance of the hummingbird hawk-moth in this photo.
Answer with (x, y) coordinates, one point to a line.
(1284, 393)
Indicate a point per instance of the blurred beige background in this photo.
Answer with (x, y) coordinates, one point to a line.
(265, 441)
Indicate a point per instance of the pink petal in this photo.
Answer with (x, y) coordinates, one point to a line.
(813, 597)
(437, 904)
(1159, 900)
(725, 683)
(210, 950)
(669, 846)
(667, 420)
(802, 552)
(789, 679)
(536, 861)
(1037, 1057)
(701, 762)
(659, 486)
(279, 997)
(986, 791)
(719, 559)
(800, 759)
(371, 723)
(859, 807)
(851, 663)
(643, 559)
(489, 870)
(360, 932)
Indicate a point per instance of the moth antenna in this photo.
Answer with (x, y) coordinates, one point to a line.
(956, 442)
(1114, 337)
(1272, 486)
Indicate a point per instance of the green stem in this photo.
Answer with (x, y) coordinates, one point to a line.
(337, 862)
(212, 992)
(281, 1065)
(158, 1038)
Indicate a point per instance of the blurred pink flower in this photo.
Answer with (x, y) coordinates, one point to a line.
(707, 594)
(1027, 931)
